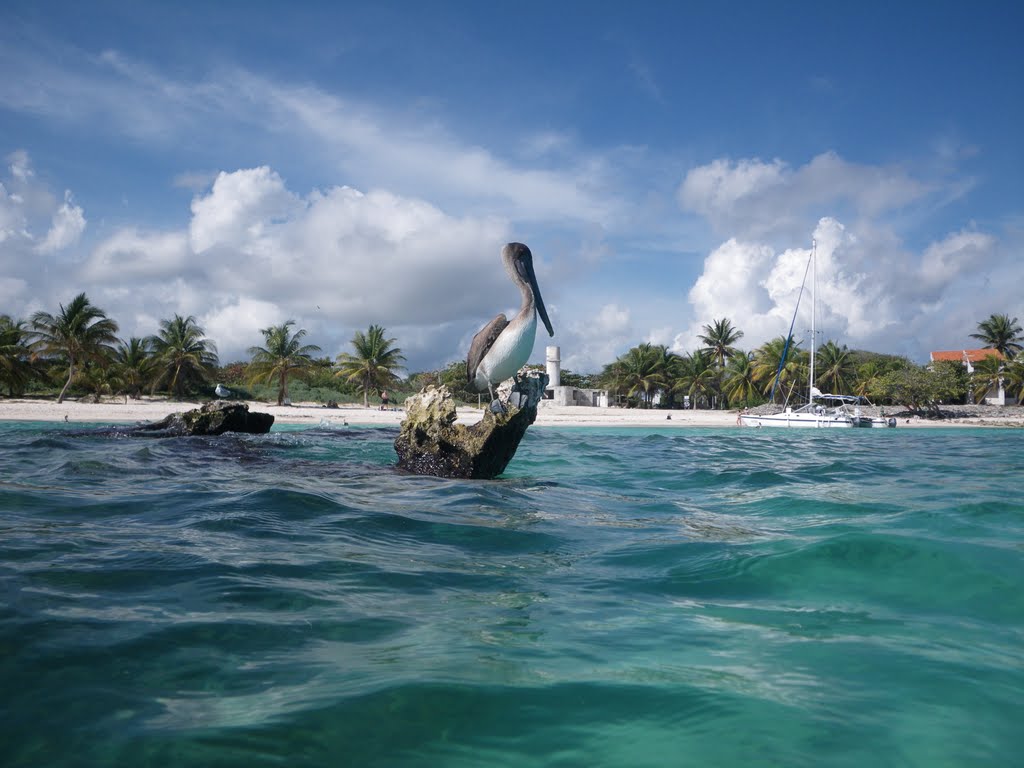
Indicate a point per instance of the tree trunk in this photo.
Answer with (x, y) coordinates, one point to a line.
(282, 391)
(71, 375)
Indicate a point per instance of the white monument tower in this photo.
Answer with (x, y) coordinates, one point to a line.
(554, 360)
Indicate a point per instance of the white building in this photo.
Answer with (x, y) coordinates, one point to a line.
(995, 395)
(564, 395)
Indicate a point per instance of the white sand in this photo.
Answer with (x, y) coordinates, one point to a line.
(154, 409)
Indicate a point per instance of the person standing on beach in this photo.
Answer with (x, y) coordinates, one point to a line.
(383, 399)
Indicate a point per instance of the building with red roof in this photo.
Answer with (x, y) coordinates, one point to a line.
(996, 395)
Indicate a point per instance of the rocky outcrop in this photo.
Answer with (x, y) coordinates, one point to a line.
(432, 443)
(213, 418)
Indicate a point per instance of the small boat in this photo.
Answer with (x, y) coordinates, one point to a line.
(822, 411)
(851, 406)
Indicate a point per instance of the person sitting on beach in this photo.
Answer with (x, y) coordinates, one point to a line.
(383, 400)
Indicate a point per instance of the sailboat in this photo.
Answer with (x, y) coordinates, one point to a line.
(822, 410)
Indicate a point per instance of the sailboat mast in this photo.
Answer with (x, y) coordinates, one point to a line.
(814, 303)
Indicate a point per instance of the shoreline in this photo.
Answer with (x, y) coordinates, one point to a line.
(154, 409)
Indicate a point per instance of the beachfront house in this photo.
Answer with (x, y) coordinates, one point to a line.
(995, 395)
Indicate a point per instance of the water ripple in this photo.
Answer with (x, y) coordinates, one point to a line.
(620, 597)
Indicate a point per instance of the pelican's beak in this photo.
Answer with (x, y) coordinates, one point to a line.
(538, 300)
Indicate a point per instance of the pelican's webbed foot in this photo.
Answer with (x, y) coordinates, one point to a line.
(498, 407)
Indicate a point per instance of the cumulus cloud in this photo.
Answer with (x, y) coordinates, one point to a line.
(758, 289)
(413, 242)
(242, 210)
(946, 262)
(751, 198)
(733, 280)
(256, 253)
(597, 339)
(872, 292)
(236, 326)
(130, 254)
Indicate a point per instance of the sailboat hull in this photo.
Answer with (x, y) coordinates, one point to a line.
(816, 419)
(798, 421)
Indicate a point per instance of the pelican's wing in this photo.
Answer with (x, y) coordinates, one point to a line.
(482, 342)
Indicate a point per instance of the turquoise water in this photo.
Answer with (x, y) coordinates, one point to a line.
(618, 598)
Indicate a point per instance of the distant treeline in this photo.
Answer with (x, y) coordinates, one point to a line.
(77, 352)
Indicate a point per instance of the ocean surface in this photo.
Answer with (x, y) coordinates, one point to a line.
(619, 597)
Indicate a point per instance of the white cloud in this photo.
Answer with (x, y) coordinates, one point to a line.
(257, 254)
(731, 284)
(872, 293)
(594, 341)
(67, 226)
(242, 211)
(32, 227)
(374, 146)
(417, 248)
(21, 166)
(236, 326)
(716, 189)
(949, 261)
(196, 181)
(758, 290)
(750, 198)
(12, 216)
(139, 256)
(425, 159)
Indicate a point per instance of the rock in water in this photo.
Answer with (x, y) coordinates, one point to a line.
(431, 443)
(213, 418)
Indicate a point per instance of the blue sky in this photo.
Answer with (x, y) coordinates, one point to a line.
(668, 164)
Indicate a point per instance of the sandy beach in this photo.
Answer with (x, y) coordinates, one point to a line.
(154, 409)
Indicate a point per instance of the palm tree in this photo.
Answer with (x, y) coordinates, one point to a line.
(718, 339)
(100, 378)
(1000, 333)
(79, 332)
(697, 376)
(835, 368)
(283, 357)
(1014, 378)
(375, 363)
(135, 365)
(766, 363)
(988, 375)
(639, 372)
(16, 366)
(869, 378)
(670, 365)
(740, 385)
(184, 356)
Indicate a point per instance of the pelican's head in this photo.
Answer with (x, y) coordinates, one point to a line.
(519, 263)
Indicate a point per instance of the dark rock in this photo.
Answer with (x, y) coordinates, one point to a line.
(213, 418)
(431, 443)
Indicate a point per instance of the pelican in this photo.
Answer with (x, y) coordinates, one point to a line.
(502, 347)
